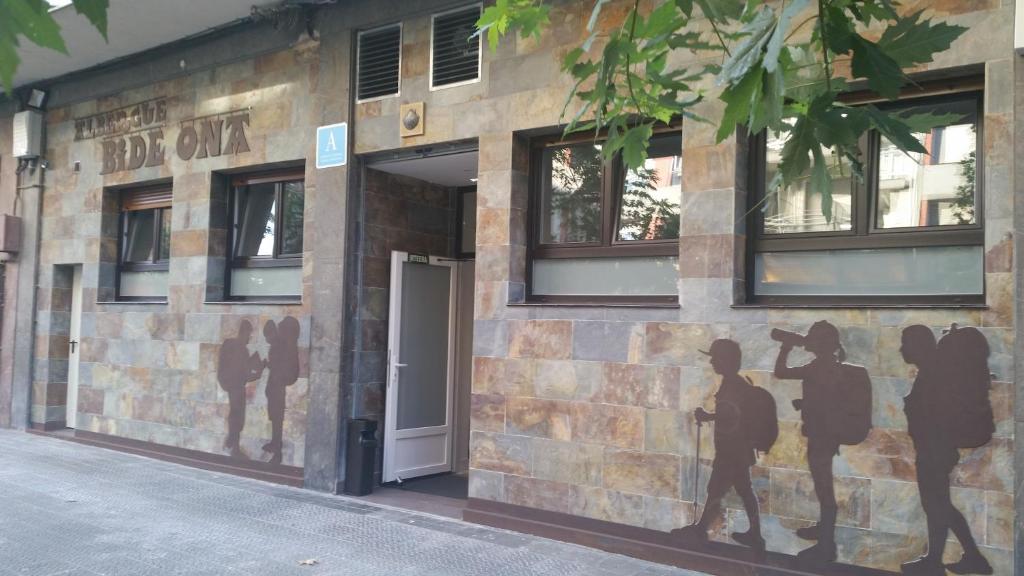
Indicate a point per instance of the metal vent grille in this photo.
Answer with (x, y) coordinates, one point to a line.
(380, 55)
(456, 48)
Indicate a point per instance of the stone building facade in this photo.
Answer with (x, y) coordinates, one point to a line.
(581, 414)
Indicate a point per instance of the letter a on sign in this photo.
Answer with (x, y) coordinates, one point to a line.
(332, 145)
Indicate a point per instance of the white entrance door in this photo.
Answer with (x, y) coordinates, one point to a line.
(74, 348)
(418, 430)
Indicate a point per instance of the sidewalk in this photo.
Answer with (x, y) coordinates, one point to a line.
(76, 510)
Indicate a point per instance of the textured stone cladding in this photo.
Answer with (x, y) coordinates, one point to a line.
(148, 371)
(399, 213)
(588, 411)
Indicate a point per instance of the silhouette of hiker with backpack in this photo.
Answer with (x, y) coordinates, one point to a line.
(283, 368)
(835, 410)
(236, 368)
(948, 408)
(745, 421)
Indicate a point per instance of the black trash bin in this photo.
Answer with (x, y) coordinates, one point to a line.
(360, 456)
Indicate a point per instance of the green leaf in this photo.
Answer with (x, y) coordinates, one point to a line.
(883, 74)
(895, 129)
(922, 123)
(8, 59)
(719, 10)
(738, 98)
(912, 41)
(748, 53)
(96, 12)
(32, 19)
(634, 145)
(774, 47)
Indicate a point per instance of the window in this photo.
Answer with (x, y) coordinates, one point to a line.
(145, 247)
(455, 49)
(602, 232)
(910, 232)
(379, 62)
(266, 240)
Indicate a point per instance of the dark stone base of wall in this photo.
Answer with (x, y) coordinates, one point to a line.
(714, 558)
(276, 473)
(49, 426)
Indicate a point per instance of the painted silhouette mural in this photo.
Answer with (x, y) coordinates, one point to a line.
(237, 367)
(948, 408)
(283, 371)
(745, 422)
(835, 409)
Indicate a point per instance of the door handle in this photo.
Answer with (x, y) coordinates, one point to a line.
(73, 343)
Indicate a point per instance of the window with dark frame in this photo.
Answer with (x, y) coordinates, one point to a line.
(600, 232)
(144, 249)
(910, 232)
(267, 214)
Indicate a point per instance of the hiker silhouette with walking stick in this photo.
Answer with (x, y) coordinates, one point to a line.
(835, 409)
(745, 421)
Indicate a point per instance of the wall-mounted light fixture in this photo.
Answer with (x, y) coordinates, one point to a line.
(37, 99)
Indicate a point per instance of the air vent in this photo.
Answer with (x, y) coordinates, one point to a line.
(455, 56)
(380, 57)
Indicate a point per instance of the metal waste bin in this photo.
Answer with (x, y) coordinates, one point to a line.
(360, 456)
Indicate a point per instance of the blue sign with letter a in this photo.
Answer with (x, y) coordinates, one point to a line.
(332, 145)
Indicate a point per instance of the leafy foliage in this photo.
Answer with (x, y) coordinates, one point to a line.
(776, 73)
(32, 20)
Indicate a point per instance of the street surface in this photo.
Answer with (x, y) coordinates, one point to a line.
(73, 510)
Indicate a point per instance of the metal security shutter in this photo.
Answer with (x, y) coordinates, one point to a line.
(380, 56)
(455, 55)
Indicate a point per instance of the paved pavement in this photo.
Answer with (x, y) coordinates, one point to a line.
(76, 510)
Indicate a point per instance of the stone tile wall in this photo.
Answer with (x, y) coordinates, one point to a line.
(588, 411)
(148, 371)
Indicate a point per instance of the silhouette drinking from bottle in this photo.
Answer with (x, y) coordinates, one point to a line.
(745, 421)
(948, 408)
(835, 409)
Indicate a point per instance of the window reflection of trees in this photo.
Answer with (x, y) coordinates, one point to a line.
(574, 198)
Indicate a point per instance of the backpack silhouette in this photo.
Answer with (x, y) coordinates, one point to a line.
(852, 420)
(963, 359)
(760, 418)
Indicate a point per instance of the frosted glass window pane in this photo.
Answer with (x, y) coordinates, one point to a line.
(151, 284)
(890, 272)
(423, 382)
(647, 276)
(284, 281)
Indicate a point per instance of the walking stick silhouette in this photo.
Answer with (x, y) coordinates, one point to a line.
(696, 472)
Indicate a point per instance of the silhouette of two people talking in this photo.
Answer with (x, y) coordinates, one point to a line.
(237, 367)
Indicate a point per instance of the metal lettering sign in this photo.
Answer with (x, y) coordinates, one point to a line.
(132, 137)
(332, 145)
